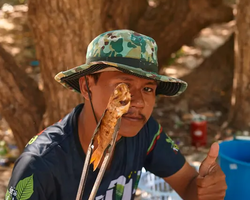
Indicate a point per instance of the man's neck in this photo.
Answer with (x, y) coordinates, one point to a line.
(86, 126)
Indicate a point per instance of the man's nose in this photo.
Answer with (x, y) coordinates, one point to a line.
(137, 99)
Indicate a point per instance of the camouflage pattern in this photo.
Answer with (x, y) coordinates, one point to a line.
(122, 43)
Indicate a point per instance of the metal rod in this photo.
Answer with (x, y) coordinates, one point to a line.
(105, 161)
(84, 173)
(103, 166)
(86, 165)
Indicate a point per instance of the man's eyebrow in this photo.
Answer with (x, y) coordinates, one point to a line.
(123, 78)
(153, 82)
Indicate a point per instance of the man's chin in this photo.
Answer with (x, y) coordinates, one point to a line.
(129, 131)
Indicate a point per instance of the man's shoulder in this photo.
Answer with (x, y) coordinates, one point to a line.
(50, 137)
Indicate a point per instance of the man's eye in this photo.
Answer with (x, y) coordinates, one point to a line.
(148, 89)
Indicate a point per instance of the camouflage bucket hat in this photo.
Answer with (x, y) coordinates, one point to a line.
(128, 52)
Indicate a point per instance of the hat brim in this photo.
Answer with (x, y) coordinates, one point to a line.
(166, 85)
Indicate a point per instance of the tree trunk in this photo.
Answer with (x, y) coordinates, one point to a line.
(210, 85)
(21, 103)
(240, 111)
(63, 29)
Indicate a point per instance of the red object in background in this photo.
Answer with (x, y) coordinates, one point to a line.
(199, 133)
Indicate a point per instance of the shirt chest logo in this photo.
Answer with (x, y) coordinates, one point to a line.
(122, 187)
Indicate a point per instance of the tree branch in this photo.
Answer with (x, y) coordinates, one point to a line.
(21, 102)
(176, 22)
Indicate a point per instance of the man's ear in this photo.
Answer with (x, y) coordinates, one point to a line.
(83, 81)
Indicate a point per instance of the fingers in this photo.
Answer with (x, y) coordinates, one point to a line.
(211, 182)
(210, 160)
(216, 175)
(217, 196)
(212, 186)
(212, 189)
(213, 153)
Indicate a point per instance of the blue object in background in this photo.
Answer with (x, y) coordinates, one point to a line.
(234, 158)
(34, 63)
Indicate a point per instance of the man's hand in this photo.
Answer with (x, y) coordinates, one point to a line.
(211, 183)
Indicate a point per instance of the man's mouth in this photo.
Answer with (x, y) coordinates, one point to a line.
(134, 118)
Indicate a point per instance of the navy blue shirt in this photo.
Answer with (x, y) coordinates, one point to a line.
(51, 165)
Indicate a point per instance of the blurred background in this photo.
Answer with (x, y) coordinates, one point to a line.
(204, 42)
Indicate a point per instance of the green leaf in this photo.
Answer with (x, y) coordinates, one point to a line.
(169, 140)
(7, 195)
(25, 188)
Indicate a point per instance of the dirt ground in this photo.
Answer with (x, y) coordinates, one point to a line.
(4, 179)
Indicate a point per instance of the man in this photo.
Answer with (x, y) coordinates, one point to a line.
(51, 165)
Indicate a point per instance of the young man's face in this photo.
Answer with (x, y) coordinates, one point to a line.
(142, 99)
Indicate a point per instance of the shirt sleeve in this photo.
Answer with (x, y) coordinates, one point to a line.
(163, 156)
(27, 180)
